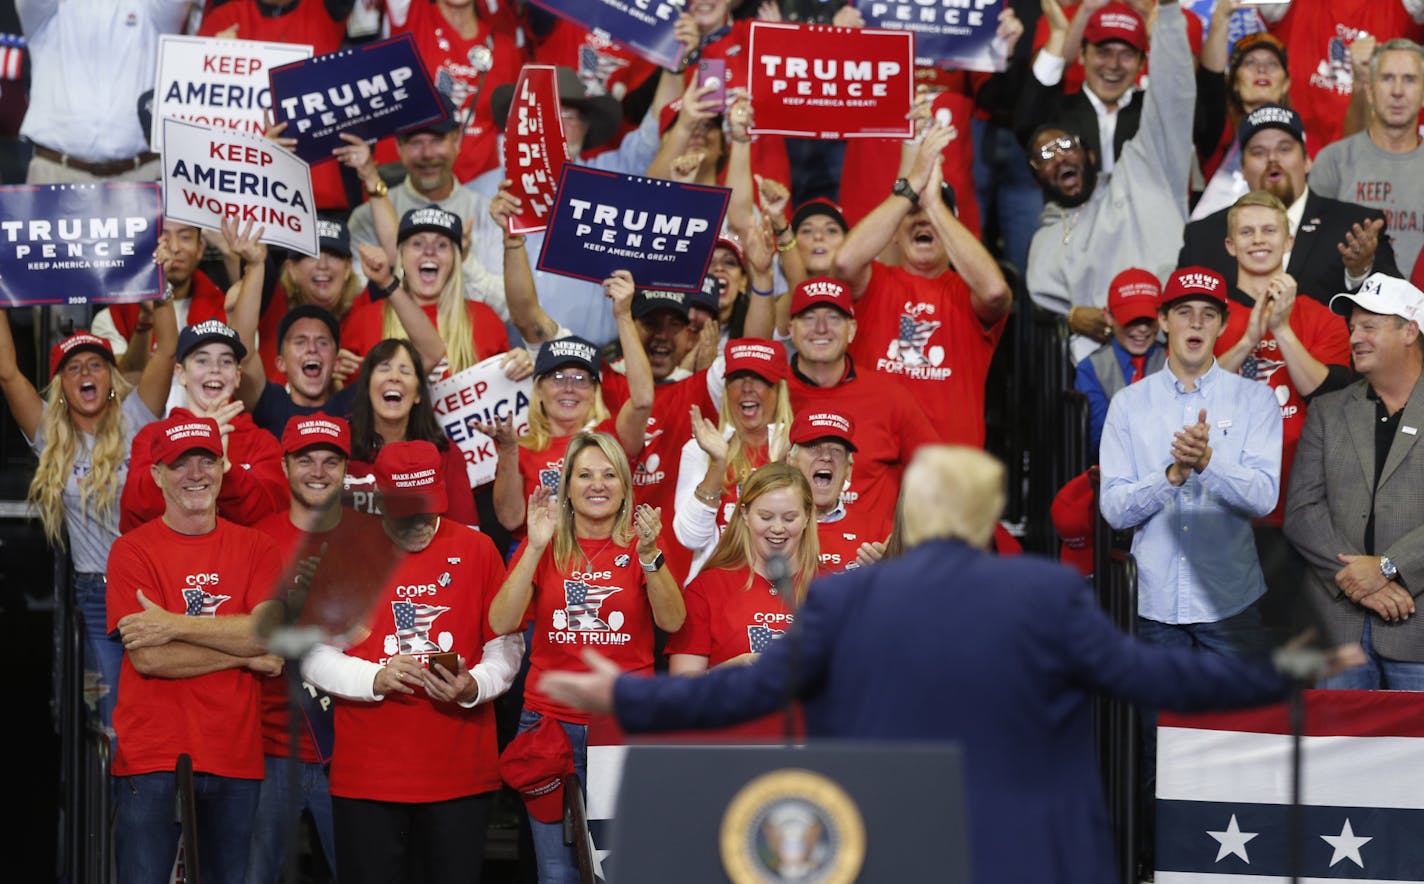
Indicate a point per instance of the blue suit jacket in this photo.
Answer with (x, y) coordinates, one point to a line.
(999, 654)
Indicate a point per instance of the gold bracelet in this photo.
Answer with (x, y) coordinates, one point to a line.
(710, 499)
(786, 248)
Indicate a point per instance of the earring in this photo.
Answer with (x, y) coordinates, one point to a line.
(112, 397)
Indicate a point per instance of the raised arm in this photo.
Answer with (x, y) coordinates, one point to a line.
(509, 605)
(25, 402)
(357, 154)
(875, 231)
(632, 418)
(157, 377)
(525, 311)
(989, 293)
(246, 312)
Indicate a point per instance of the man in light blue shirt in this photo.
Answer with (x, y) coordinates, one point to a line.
(1189, 457)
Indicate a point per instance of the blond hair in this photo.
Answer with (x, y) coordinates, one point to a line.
(734, 549)
(349, 290)
(540, 431)
(1263, 199)
(99, 488)
(739, 461)
(566, 545)
(452, 321)
(951, 492)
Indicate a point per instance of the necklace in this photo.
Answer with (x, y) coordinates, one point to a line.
(1069, 222)
(601, 550)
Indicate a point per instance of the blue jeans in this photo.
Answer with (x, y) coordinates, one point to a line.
(102, 655)
(146, 828)
(556, 861)
(1006, 189)
(267, 860)
(1377, 673)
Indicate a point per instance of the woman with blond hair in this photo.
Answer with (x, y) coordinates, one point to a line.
(756, 420)
(568, 399)
(589, 575)
(81, 428)
(733, 607)
(430, 243)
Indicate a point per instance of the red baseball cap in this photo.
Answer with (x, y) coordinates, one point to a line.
(812, 425)
(316, 431)
(1074, 518)
(1194, 284)
(822, 291)
(1133, 294)
(1117, 21)
(735, 246)
(76, 343)
(535, 764)
(763, 358)
(411, 479)
(183, 432)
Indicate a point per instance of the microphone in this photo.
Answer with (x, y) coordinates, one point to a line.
(778, 571)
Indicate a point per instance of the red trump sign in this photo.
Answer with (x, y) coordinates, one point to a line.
(818, 81)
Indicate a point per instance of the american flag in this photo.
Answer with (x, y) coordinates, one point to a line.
(413, 622)
(582, 603)
(915, 334)
(201, 603)
(12, 56)
(1223, 792)
(549, 478)
(761, 636)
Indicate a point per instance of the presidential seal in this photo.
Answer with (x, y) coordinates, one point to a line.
(792, 825)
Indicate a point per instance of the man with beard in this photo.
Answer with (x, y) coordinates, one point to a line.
(1087, 235)
(1336, 244)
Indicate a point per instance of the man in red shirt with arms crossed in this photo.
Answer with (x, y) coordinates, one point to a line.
(184, 590)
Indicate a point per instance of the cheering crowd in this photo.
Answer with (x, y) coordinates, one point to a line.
(1230, 246)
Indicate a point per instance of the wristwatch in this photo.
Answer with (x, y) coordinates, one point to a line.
(903, 188)
(1388, 569)
(379, 190)
(655, 564)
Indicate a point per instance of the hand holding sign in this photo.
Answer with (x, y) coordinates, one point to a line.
(244, 244)
(619, 289)
(518, 364)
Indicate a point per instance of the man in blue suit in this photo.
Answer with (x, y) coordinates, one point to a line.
(1004, 661)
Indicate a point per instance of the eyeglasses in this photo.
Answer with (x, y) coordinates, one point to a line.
(1061, 144)
(576, 379)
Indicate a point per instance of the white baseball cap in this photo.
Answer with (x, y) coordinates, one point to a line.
(1385, 295)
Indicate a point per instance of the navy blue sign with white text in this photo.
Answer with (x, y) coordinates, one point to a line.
(660, 231)
(370, 92)
(643, 26)
(948, 33)
(79, 243)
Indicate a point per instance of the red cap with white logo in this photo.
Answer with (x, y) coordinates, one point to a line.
(812, 425)
(763, 358)
(184, 432)
(411, 479)
(316, 431)
(822, 291)
(1194, 284)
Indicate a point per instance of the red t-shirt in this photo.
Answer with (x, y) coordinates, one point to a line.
(253, 486)
(601, 603)
(359, 489)
(364, 328)
(407, 747)
(655, 470)
(889, 426)
(924, 336)
(843, 538)
(446, 57)
(213, 717)
(305, 22)
(1326, 338)
(1319, 34)
(356, 549)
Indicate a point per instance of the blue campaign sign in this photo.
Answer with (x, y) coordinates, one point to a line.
(643, 26)
(79, 243)
(660, 231)
(370, 92)
(948, 33)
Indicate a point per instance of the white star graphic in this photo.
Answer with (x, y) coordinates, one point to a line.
(1233, 840)
(1347, 845)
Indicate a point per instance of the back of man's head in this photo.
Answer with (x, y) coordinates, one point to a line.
(952, 492)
